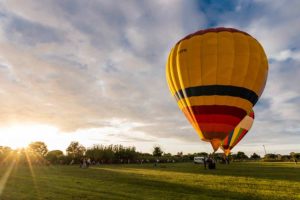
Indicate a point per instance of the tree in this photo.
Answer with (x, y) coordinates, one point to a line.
(39, 148)
(5, 149)
(270, 156)
(168, 154)
(4, 152)
(108, 155)
(295, 156)
(75, 150)
(218, 156)
(54, 156)
(255, 156)
(179, 154)
(241, 155)
(157, 151)
(203, 154)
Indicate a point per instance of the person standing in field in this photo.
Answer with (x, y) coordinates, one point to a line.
(88, 162)
(227, 160)
(83, 163)
(211, 163)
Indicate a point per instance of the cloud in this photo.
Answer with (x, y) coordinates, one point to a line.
(287, 54)
(19, 30)
(78, 65)
(75, 72)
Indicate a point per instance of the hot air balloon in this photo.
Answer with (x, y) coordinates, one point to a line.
(216, 76)
(238, 133)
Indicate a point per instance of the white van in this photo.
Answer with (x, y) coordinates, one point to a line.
(199, 160)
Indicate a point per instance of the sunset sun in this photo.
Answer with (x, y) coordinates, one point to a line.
(20, 135)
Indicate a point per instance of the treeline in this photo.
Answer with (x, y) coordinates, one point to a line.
(37, 153)
(241, 156)
(282, 158)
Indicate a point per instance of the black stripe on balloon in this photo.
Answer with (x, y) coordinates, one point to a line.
(221, 90)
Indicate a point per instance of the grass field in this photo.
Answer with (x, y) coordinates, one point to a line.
(166, 181)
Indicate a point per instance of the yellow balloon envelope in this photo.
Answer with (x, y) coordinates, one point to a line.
(237, 135)
(216, 76)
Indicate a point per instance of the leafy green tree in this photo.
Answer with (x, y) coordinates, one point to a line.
(157, 151)
(39, 148)
(241, 155)
(5, 152)
(295, 156)
(95, 153)
(54, 156)
(167, 154)
(270, 156)
(255, 156)
(112, 154)
(109, 154)
(273, 157)
(203, 154)
(75, 150)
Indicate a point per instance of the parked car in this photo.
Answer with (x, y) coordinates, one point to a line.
(199, 160)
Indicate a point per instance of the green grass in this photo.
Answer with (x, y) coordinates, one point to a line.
(167, 181)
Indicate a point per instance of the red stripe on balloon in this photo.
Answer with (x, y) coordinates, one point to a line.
(219, 109)
(223, 119)
(251, 115)
(225, 143)
(213, 135)
(216, 127)
(215, 30)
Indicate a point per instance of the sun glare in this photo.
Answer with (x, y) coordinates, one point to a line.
(20, 135)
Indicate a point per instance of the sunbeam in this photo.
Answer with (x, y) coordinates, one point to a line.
(32, 174)
(6, 175)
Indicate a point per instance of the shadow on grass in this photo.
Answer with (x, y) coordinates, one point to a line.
(272, 171)
(146, 188)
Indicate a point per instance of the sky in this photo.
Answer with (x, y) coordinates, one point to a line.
(94, 72)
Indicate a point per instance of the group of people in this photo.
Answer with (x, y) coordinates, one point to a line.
(210, 163)
(85, 162)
